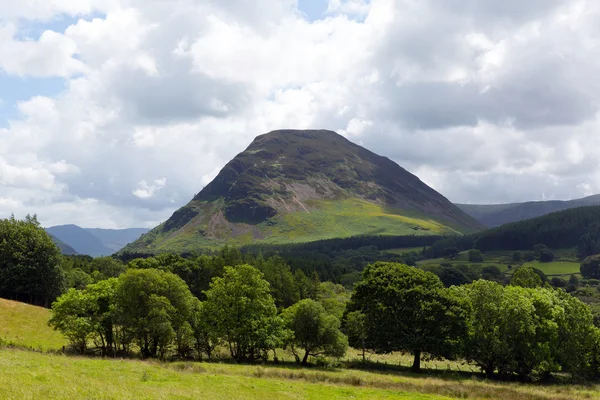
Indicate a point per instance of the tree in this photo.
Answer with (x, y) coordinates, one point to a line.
(70, 316)
(558, 282)
(573, 280)
(483, 346)
(590, 267)
(241, 304)
(314, 330)
(475, 256)
(450, 253)
(529, 256)
(29, 262)
(517, 256)
(282, 282)
(155, 305)
(526, 277)
(355, 326)
(408, 309)
(205, 335)
(85, 316)
(101, 268)
(452, 276)
(546, 255)
(492, 273)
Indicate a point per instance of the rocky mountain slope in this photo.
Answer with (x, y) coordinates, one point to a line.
(297, 186)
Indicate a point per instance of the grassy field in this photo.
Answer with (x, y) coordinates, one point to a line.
(29, 375)
(555, 267)
(562, 266)
(27, 326)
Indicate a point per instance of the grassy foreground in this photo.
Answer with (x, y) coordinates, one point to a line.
(25, 325)
(30, 375)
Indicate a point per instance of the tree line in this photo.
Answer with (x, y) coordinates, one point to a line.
(526, 329)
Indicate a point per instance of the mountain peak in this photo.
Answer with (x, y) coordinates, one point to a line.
(312, 177)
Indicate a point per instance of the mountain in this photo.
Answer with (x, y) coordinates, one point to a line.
(116, 239)
(499, 214)
(64, 248)
(294, 186)
(80, 239)
(93, 241)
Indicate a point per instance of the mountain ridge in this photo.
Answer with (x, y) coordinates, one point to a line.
(294, 186)
(95, 242)
(493, 215)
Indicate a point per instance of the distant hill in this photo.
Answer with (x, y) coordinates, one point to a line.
(576, 227)
(93, 241)
(64, 248)
(116, 239)
(80, 239)
(294, 186)
(499, 214)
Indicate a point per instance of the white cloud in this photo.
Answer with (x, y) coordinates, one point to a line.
(145, 191)
(486, 102)
(51, 55)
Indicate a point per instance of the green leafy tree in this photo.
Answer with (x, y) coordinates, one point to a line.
(517, 256)
(101, 268)
(492, 273)
(29, 262)
(452, 276)
(205, 334)
(483, 346)
(333, 297)
(282, 282)
(450, 253)
(475, 256)
(245, 313)
(546, 255)
(355, 326)
(71, 316)
(590, 267)
(408, 309)
(574, 280)
(526, 277)
(314, 330)
(87, 316)
(155, 306)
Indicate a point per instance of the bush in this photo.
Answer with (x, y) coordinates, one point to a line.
(475, 256)
(546, 255)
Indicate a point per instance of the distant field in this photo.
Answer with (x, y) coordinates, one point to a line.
(567, 265)
(403, 250)
(28, 375)
(556, 267)
(25, 325)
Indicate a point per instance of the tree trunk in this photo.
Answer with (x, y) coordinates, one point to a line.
(363, 350)
(416, 367)
(305, 359)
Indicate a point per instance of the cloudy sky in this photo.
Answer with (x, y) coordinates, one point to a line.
(113, 113)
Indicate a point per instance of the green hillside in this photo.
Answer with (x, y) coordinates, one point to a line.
(326, 220)
(301, 186)
(24, 325)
